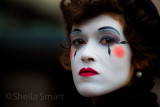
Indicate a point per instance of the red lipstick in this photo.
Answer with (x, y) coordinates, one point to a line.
(85, 72)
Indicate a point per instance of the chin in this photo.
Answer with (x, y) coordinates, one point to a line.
(86, 90)
(87, 93)
(90, 91)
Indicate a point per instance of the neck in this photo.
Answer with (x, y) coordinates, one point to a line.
(95, 100)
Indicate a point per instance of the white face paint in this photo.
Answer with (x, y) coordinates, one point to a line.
(96, 46)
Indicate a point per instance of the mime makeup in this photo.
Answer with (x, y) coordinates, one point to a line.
(111, 36)
(75, 53)
(118, 51)
(96, 40)
(109, 50)
(123, 42)
(108, 28)
(71, 53)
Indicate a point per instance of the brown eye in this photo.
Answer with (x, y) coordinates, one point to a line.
(78, 42)
(107, 41)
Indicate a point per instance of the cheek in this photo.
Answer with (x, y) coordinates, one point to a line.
(71, 53)
(118, 51)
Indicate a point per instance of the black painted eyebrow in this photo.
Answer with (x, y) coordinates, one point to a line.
(75, 31)
(108, 27)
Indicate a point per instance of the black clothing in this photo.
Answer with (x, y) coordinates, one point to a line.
(138, 95)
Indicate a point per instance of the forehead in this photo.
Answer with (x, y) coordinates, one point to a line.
(113, 20)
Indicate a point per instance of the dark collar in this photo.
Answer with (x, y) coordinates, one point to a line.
(130, 96)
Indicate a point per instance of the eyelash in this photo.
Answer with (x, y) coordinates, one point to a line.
(106, 40)
(78, 42)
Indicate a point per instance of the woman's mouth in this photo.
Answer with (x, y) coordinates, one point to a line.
(85, 72)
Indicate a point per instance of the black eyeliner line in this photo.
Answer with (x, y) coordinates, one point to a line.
(123, 42)
(75, 31)
(108, 27)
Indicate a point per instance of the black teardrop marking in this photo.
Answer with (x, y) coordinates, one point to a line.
(75, 53)
(109, 50)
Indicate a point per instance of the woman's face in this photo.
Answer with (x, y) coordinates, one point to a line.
(100, 56)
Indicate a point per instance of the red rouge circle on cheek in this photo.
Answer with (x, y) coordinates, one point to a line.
(71, 53)
(118, 51)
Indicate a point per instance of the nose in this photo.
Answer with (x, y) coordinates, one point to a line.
(87, 59)
(88, 54)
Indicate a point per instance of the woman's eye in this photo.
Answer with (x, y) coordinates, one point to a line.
(78, 42)
(107, 41)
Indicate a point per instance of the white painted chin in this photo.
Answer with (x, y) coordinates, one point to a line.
(87, 91)
(90, 90)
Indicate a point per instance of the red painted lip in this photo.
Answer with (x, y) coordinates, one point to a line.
(85, 72)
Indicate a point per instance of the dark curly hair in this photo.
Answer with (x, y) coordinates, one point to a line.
(141, 25)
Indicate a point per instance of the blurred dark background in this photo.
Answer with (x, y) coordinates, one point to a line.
(31, 74)
(30, 33)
